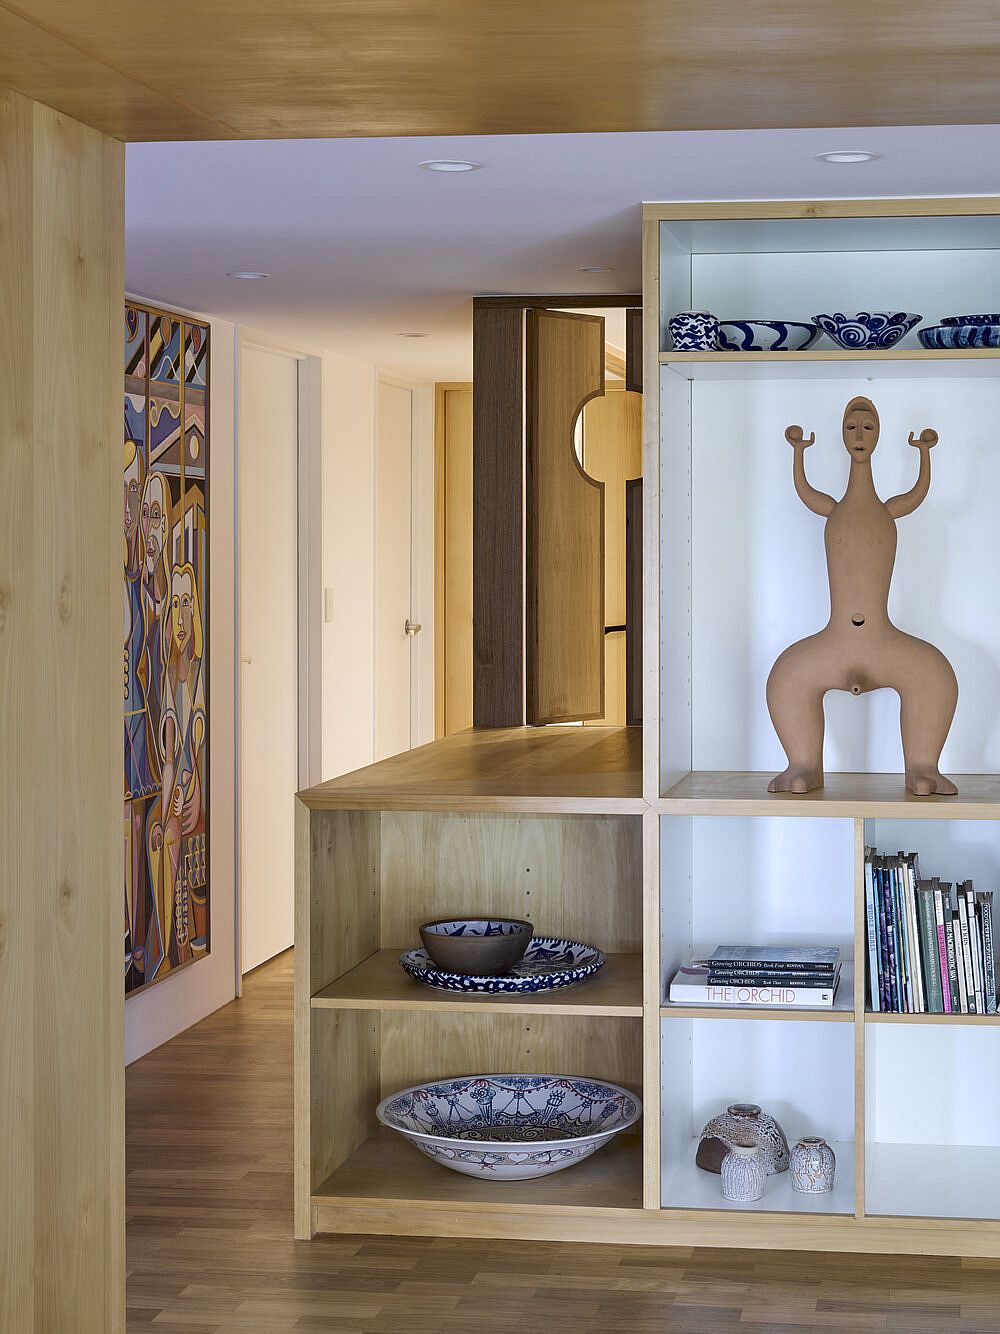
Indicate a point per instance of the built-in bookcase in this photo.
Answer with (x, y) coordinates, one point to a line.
(662, 842)
(741, 575)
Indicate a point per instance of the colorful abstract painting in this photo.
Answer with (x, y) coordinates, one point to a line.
(165, 827)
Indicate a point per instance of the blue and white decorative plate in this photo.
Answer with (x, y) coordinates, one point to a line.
(765, 335)
(993, 318)
(960, 335)
(877, 329)
(510, 1127)
(549, 962)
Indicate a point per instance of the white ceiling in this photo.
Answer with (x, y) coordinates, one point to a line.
(362, 246)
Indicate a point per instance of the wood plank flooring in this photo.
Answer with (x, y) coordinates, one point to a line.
(210, 1249)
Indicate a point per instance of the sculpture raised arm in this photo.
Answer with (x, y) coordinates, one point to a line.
(909, 500)
(817, 501)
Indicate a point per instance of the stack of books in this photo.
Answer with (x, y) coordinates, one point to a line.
(791, 975)
(930, 945)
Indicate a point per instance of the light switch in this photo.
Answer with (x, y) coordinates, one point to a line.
(327, 604)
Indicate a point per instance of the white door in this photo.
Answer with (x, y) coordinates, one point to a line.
(268, 490)
(393, 569)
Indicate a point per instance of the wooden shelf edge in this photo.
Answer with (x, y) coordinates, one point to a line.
(379, 983)
(986, 1020)
(833, 355)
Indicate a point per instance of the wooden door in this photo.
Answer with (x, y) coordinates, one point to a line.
(611, 450)
(453, 558)
(564, 650)
(268, 509)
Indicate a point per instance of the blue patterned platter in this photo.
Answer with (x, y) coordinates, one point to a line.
(549, 962)
(960, 335)
(972, 319)
(510, 1127)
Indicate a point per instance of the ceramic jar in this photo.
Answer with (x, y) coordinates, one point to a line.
(813, 1166)
(743, 1124)
(742, 1174)
(694, 331)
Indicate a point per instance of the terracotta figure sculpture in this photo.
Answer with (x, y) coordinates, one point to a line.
(860, 649)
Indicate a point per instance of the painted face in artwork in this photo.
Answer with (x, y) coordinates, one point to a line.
(182, 609)
(132, 490)
(860, 429)
(153, 520)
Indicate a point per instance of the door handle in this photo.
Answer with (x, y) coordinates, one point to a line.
(246, 658)
(412, 627)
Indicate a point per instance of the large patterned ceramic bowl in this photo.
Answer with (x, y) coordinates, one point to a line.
(960, 335)
(867, 328)
(510, 1127)
(765, 335)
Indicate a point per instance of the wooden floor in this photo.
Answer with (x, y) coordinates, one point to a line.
(210, 1247)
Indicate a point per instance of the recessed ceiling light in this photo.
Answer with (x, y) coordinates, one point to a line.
(411, 335)
(596, 268)
(449, 164)
(847, 155)
(250, 274)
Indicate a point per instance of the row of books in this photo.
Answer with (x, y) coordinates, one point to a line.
(779, 976)
(930, 944)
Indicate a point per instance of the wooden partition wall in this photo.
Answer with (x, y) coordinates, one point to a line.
(61, 1050)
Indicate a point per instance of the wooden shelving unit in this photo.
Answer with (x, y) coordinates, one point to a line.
(653, 843)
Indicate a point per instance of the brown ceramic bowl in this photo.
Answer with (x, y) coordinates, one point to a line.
(476, 946)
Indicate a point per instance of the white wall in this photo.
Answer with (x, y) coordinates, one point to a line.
(181, 999)
(342, 544)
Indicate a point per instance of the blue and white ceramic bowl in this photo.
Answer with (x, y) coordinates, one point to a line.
(765, 335)
(960, 335)
(694, 331)
(971, 319)
(510, 1127)
(867, 328)
(548, 963)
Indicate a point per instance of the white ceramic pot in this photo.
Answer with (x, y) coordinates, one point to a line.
(813, 1166)
(742, 1174)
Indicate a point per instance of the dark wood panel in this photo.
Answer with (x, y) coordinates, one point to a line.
(591, 300)
(564, 588)
(498, 517)
(633, 349)
(633, 601)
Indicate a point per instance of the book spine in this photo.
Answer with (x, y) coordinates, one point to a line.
(989, 958)
(874, 996)
(770, 965)
(690, 993)
(748, 975)
(932, 965)
(967, 941)
(975, 947)
(942, 942)
(904, 936)
(920, 1001)
(963, 1007)
(952, 957)
(892, 980)
(883, 941)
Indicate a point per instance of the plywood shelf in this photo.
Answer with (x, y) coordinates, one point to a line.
(689, 1187)
(984, 1020)
(386, 1170)
(833, 363)
(868, 796)
(379, 983)
(591, 770)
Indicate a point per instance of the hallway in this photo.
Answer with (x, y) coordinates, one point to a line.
(210, 1249)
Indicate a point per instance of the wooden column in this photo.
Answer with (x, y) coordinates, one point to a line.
(498, 523)
(61, 1003)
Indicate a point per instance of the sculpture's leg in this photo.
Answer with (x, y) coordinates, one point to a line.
(928, 693)
(795, 690)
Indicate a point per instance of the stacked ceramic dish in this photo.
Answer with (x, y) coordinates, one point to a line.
(510, 1127)
(497, 956)
(962, 331)
(867, 329)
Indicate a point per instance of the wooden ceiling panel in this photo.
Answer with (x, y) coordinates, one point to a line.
(257, 69)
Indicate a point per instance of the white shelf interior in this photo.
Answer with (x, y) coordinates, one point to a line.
(932, 1095)
(744, 569)
(745, 880)
(801, 1072)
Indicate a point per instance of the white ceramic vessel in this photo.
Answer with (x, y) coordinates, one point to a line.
(510, 1127)
(813, 1166)
(742, 1174)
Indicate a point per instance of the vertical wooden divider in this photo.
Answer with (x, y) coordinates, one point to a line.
(859, 1017)
(651, 1009)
